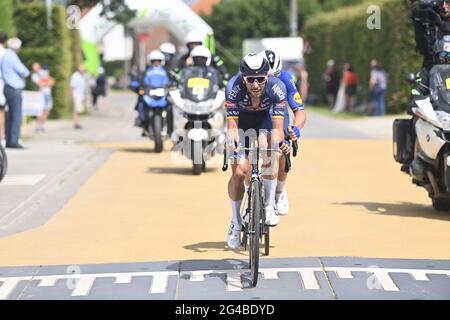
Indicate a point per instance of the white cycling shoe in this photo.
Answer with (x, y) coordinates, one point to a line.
(234, 236)
(282, 203)
(272, 217)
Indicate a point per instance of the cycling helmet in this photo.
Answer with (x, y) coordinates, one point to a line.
(167, 48)
(201, 56)
(274, 61)
(254, 65)
(156, 55)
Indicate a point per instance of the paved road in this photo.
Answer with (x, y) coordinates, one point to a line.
(101, 201)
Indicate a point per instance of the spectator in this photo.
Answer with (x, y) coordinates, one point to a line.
(43, 82)
(350, 79)
(99, 88)
(331, 78)
(78, 86)
(301, 76)
(14, 74)
(377, 88)
(3, 38)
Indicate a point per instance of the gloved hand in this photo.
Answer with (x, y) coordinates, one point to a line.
(294, 132)
(285, 146)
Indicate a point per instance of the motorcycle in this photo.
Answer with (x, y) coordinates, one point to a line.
(198, 116)
(155, 104)
(422, 143)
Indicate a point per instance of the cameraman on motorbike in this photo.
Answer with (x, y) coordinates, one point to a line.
(431, 20)
(201, 58)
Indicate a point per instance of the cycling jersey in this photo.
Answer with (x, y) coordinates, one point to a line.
(293, 96)
(238, 99)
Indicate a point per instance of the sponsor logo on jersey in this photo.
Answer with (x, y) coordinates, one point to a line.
(279, 92)
(298, 98)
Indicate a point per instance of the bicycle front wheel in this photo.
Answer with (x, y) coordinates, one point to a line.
(254, 230)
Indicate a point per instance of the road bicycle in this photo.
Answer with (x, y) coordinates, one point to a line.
(254, 230)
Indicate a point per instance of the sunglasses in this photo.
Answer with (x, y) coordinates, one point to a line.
(260, 79)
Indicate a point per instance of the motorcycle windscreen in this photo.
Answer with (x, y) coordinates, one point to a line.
(440, 86)
(197, 86)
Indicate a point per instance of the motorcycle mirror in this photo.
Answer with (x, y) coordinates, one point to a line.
(410, 77)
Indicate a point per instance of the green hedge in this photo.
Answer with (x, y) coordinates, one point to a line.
(343, 35)
(52, 47)
(76, 48)
(6, 17)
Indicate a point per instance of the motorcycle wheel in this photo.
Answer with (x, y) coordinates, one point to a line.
(197, 155)
(441, 204)
(157, 132)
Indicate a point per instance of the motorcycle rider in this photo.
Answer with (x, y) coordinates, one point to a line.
(297, 107)
(431, 20)
(194, 39)
(201, 58)
(155, 76)
(169, 51)
(254, 101)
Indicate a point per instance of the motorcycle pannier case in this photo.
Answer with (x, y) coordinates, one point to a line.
(403, 140)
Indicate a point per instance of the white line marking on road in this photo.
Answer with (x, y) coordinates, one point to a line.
(8, 286)
(123, 279)
(309, 279)
(233, 278)
(234, 282)
(159, 283)
(49, 282)
(420, 276)
(15, 180)
(270, 274)
(84, 286)
(385, 280)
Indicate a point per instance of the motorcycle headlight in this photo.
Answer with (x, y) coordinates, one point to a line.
(203, 107)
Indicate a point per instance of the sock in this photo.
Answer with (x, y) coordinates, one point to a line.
(281, 186)
(270, 187)
(236, 210)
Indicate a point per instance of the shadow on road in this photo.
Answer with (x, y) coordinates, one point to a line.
(219, 265)
(202, 247)
(138, 150)
(404, 209)
(187, 171)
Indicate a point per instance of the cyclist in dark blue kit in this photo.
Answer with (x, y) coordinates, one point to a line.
(254, 101)
(298, 109)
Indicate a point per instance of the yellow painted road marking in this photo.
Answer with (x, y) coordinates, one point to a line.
(347, 198)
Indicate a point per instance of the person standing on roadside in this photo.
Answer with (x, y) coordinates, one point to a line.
(3, 38)
(78, 86)
(43, 82)
(14, 74)
(377, 88)
(331, 78)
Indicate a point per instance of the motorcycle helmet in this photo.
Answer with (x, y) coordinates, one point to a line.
(254, 64)
(274, 61)
(201, 56)
(156, 55)
(441, 50)
(193, 39)
(167, 48)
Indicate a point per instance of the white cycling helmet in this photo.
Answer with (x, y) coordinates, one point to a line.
(194, 37)
(201, 54)
(274, 61)
(156, 55)
(167, 48)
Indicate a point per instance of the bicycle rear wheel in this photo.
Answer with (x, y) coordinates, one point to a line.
(254, 232)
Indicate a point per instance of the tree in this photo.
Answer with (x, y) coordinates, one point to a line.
(6, 17)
